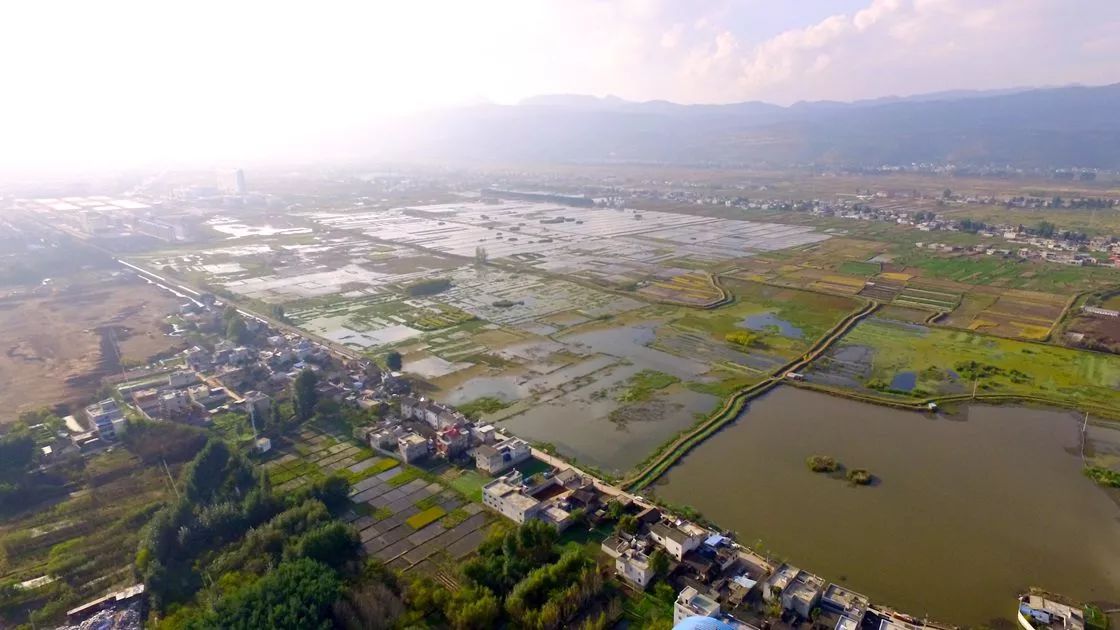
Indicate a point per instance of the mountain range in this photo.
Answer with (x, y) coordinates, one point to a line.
(1063, 127)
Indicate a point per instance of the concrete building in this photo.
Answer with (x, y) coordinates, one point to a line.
(678, 539)
(691, 603)
(147, 401)
(258, 403)
(412, 447)
(778, 581)
(104, 416)
(452, 441)
(497, 458)
(1040, 611)
(207, 396)
(181, 378)
(631, 559)
(851, 606)
(484, 434)
(173, 403)
(197, 358)
(386, 438)
(802, 594)
(505, 496)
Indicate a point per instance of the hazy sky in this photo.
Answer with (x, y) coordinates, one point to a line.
(100, 80)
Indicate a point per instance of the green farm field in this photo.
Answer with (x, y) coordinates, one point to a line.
(1009, 273)
(801, 317)
(947, 361)
(857, 268)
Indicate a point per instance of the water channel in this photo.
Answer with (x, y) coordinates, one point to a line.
(969, 509)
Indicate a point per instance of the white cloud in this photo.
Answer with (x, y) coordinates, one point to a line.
(913, 46)
(672, 37)
(199, 77)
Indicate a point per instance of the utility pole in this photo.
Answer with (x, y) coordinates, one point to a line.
(1084, 435)
(169, 478)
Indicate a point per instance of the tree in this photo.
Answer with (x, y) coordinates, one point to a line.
(579, 516)
(304, 394)
(206, 472)
(17, 452)
(328, 410)
(332, 491)
(741, 338)
(945, 194)
(1046, 229)
(615, 509)
(332, 544)
(236, 328)
(659, 561)
(480, 255)
(664, 592)
(297, 595)
(393, 361)
(473, 608)
(276, 419)
(628, 524)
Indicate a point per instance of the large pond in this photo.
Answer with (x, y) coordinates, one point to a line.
(577, 421)
(969, 509)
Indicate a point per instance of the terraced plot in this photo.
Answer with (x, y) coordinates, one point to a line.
(1023, 314)
(317, 453)
(692, 288)
(882, 288)
(404, 525)
(928, 299)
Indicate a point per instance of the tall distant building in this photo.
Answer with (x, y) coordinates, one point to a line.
(239, 182)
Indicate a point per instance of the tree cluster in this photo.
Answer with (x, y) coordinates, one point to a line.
(227, 522)
(518, 579)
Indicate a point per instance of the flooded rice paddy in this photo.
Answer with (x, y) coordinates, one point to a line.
(767, 321)
(970, 509)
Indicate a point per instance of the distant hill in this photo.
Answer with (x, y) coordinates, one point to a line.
(1053, 127)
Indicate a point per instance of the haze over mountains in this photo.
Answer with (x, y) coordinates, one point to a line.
(1025, 128)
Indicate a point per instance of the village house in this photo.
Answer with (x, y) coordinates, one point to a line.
(803, 594)
(173, 403)
(412, 447)
(257, 403)
(499, 457)
(147, 401)
(505, 496)
(105, 417)
(677, 538)
(542, 496)
(452, 441)
(631, 558)
(849, 605)
(181, 378)
(692, 603)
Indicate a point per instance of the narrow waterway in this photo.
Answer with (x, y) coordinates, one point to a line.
(967, 511)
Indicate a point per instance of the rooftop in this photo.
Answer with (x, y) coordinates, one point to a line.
(844, 599)
(413, 440)
(804, 587)
(696, 602)
(678, 534)
(783, 576)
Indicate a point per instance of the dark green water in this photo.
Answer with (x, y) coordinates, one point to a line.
(970, 509)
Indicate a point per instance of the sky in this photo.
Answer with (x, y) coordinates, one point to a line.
(113, 81)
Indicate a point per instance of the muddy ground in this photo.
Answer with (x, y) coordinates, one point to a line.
(56, 346)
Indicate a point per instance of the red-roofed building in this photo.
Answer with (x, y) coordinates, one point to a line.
(452, 441)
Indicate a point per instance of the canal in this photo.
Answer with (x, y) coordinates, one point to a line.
(968, 510)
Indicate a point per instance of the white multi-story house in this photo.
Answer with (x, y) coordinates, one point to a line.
(678, 539)
(496, 458)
